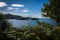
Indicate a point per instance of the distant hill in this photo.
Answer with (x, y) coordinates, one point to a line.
(10, 16)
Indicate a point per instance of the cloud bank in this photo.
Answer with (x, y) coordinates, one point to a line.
(11, 8)
(26, 10)
(2, 4)
(17, 5)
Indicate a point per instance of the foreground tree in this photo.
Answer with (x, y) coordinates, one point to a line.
(52, 10)
(3, 26)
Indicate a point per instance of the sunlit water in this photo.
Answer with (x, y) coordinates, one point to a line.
(22, 23)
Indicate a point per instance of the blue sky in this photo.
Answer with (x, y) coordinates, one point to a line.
(26, 8)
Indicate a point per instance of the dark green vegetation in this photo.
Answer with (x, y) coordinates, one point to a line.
(52, 10)
(42, 31)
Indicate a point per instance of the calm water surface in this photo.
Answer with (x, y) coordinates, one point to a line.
(22, 23)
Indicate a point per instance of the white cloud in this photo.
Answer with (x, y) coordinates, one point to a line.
(26, 10)
(37, 16)
(17, 5)
(2, 4)
(4, 12)
(31, 15)
(26, 15)
(11, 8)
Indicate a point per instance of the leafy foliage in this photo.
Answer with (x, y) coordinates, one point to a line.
(52, 10)
(42, 31)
